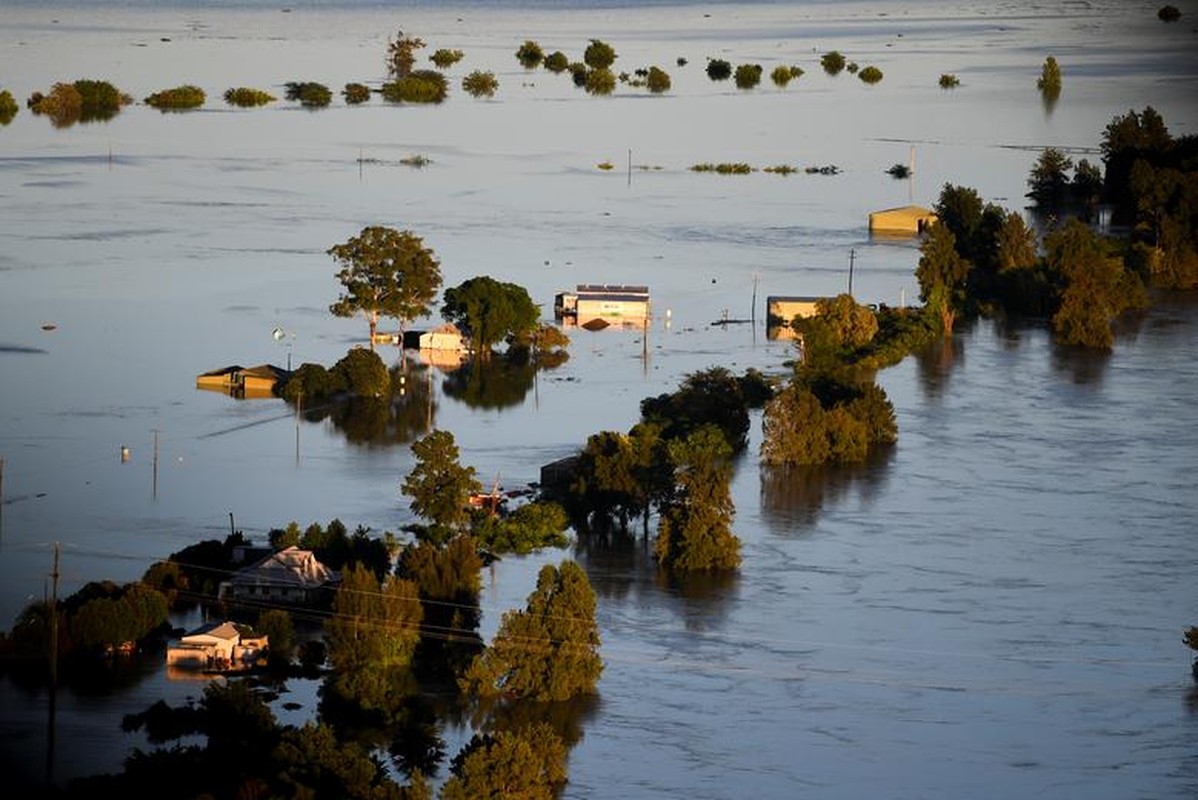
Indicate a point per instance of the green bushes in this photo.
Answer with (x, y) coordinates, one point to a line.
(179, 98)
(245, 97)
(355, 93)
(557, 62)
(480, 84)
(422, 86)
(833, 62)
(870, 75)
(599, 55)
(600, 81)
(309, 94)
(783, 75)
(726, 168)
(718, 69)
(446, 58)
(85, 100)
(530, 54)
(949, 81)
(1049, 82)
(657, 81)
(8, 107)
(748, 75)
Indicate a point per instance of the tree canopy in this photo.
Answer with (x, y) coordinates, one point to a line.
(385, 272)
(440, 487)
(488, 311)
(550, 650)
(695, 533)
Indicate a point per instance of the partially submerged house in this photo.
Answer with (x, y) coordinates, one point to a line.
(244, 382)
(908, 220)
(291, 576)
(782, 309)
(216, 645)
(613, 303)
(445, 337)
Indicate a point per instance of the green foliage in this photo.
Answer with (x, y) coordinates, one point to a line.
(708, 397)
(833, 62)
(177, 98)
(747, 76)
(372, 635)
(444, 58)
(941, 274)
(488, 311)
(529, 764)
(852, 68)
(1048, 183)
(115, 615)
(695, 531)
(385, 272)
(726, 168)
(557, 61)
(621, 475)
(781, 169)
(448, 577)
(718, 69)
(100, 100)
(531, 527)
(440, 487)
(819, 419)
(852, 326)
(1168, 14)
(401, 54)
(355, 93)
(599, 55)
(8, 107)
(578, 73)
(530, 54)
(1049, 82)
(363, 373)
(550, 650)
(247, 97)
(1097, 287)
(658, 80)
(949, 81)
(480, 84)
(276, 624)
(782, 75)
(421, 86)
(870, 75)
(309, 93)
(600, 81)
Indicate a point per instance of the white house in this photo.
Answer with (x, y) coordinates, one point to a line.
(216, 645)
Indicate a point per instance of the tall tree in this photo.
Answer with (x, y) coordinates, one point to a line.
(440, 487)
(488, 311)
(401, 54)
(372, 635)
(1048, 183)
(696, 523)
(548, 651)
(941, 274)
(529, 764)
(386, 272)
(449, 578)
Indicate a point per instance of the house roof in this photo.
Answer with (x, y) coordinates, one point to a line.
(290, 566)
(215, 630)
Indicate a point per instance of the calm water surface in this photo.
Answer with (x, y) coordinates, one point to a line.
(992, 609)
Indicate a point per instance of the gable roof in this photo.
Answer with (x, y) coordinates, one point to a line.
(215, 630)
(290, 566)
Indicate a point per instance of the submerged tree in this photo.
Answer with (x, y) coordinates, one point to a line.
(550, 650)
(386, 273)
(488, 311)
(401, 54)
(696, 522)
(529, 764)
(440, 487)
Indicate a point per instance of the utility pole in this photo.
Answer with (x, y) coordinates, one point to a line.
(852, 258)
(753, 310)
(54, 622)
(155, 488)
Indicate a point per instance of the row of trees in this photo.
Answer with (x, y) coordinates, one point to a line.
(980, 257)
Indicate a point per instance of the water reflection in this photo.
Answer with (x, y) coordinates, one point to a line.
(399, 419)
(793, 497)
(1084, 365)
(501, 381)
(936, 363)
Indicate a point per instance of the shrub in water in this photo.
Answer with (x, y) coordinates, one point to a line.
(245, 97)
(657, 80)
(599, 55)
(870, 75)
(530, 54)
(446, 58)
(718, 69)
(177, 99)
(557, 61)
(355, 93)
(309, 94)
(748, 76)
(480, 84)
(832, 62)
(949, 81)
(422, 86)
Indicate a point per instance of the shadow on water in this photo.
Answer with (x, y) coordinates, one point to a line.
(1085, 366)
(793, 497)
(936, 363)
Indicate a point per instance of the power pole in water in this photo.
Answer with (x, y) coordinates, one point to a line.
(852, 257)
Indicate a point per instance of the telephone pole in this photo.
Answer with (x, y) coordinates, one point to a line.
(852, 258)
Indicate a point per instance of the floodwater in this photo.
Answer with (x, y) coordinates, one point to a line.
(992, 609)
